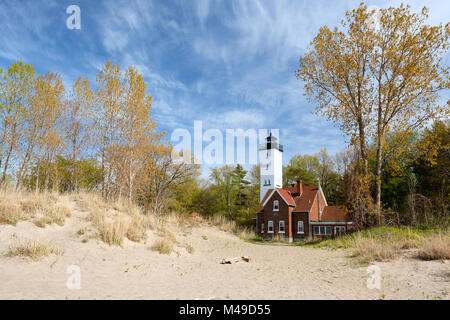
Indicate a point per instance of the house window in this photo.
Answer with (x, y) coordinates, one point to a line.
(270, 227)
(300, 227)
(322, 231)
(262, 227)
(339, 230)
(276, 206)
(281, 225)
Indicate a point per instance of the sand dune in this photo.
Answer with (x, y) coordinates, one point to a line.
(134, 271)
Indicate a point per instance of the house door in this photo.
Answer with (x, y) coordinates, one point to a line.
(339, 230)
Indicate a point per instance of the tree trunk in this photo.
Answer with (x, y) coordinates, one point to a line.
(362, 145)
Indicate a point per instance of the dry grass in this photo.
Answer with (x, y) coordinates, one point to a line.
(368, 249)
(113, 232)
(52, 214)
(386, 243)
(33, 249)
(163, 246)
(137, 230)
(189, 248)
(21, 206)
(10, 213)
(436, 248)
(115, 220)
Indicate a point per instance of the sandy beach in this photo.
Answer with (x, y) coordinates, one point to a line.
(134, 271)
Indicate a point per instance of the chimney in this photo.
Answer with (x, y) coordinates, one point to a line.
(299, 188)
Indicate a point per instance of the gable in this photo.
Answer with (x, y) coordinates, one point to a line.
(284, 194)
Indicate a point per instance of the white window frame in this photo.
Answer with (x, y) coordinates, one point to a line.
(300, 223)
(342, 229)
(322, 230)
(277, 205)
(270, 226)
(280, 223)
(262, 227)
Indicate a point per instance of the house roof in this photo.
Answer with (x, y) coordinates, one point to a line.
(334, 213)
(285, 194)
(301, 203)
(305, 201)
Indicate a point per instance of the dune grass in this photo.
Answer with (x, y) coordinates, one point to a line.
(163, 246)
(33, 249)
(436, 248)
(42, 208)
(386, 243)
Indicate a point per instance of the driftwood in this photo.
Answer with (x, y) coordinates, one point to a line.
(234, 260)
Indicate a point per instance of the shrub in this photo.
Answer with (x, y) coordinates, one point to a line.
(368, 250)
(436, 248)
(136, 231)
(163, 246)
(10, 213)
(113, 232)
(33, 249)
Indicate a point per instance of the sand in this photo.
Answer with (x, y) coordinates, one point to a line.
(134, 271)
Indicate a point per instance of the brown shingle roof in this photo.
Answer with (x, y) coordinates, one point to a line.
(304, 202)
(334, 213)
(287, 196)
(284, 193)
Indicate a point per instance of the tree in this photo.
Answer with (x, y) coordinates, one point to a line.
(42, 138)
(137, 130)
(240, 186)
(110, 100)
(375, 77)
(79, 124)
(302, 168)
(161, 171)
(16, 85)
(223, 178)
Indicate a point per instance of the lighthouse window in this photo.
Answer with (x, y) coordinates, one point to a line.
(267, 154)
(267, 166)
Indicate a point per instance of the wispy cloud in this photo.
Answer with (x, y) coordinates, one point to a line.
(230, 63)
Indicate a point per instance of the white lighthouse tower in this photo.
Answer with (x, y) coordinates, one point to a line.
(271, 166)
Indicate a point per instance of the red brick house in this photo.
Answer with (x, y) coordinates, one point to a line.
(299, 212)
(294, 213)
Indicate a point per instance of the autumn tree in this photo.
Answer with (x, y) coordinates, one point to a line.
(110, 101)
(16, 85)
(42, 134)
(137, 129)
(222, 177)
(79, 125)
(161, 171)
(383, 70)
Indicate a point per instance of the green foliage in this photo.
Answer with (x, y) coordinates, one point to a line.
(66, 175)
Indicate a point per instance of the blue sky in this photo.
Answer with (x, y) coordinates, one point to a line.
(228, 63)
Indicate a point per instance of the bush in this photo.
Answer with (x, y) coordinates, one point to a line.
(163, 246)
(436, 248)
(33, 249)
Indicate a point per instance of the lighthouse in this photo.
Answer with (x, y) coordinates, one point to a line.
(271, 165)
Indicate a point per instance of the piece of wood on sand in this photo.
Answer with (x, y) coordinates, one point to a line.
(235, 260)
